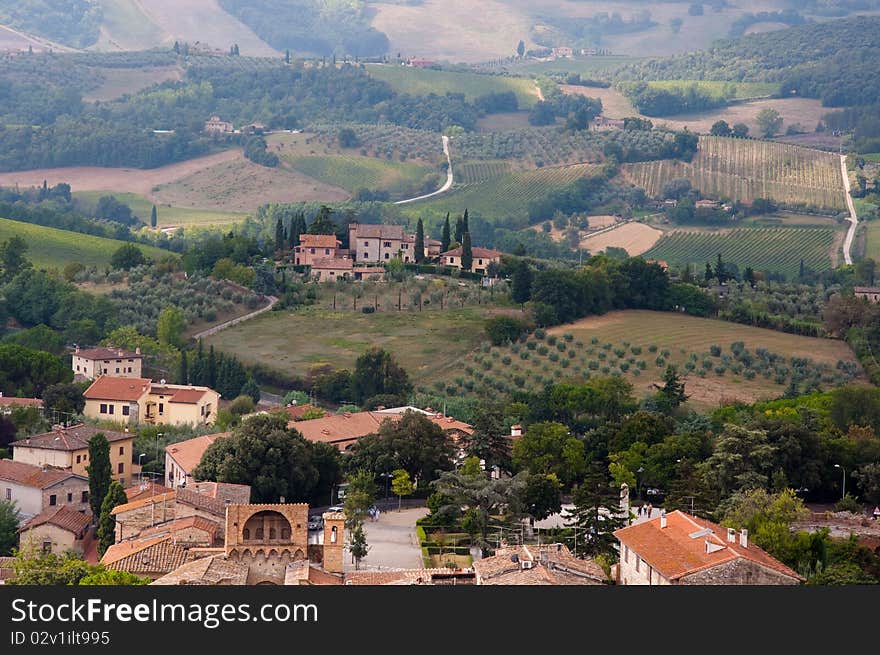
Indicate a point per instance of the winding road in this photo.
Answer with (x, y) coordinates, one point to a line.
(235, 321)
(853, 217)
(442, 189)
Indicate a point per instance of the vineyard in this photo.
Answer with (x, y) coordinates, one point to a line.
(474, 172)
(720, 361)
(419, 81)
(745, 169)
(729, 90)
(506, 198)
(353, 172)
(777, 250)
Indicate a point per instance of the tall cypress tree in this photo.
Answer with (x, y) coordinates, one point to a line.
(107, 522)
(445, 239)
(279, 234)
(100, 473)
(459, 230)
(464, 223)
(420, 242)
(521, 289)
(154, 217)
(184, 374)
(467, 254)
(212, 368)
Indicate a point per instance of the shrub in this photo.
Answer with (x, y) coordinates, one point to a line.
(660, 361)
(652, 348)
(636, 372)
(620, 352)
(568, 337)
(531, 345)
(543, 350)
(602, 355)
(554, 357)
(565, 363)
(720, 370)
(551, 340)
(540, 333)
(607, 346)
(524, 355)
(606, 370)
(636, 350)
(707, 364)
(624, 367)
(594, 340)
(571, 354)
(505, 360)
(593, 365)
(560, 346)
(715, 350)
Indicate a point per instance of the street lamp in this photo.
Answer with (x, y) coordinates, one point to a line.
(140, 457)
(639, 481)
(387, 477)
(843, 490)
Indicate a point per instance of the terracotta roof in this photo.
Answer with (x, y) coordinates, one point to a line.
(340, 428)
(107, 353)
(61, 516)
(180, 393)
(866, 289)
(189, 453)
(111, 388)
(150, 489)
(680, 548)
(449, 423)
(216, 506)
(146, 556)
(145, 502)
(37, 477)
(318, 576)
(8, 401)
(551, 564)
(332, 264)
(210, 570)
(75, 437)
(318, 241)
(237, 493)
(294, 412)
(374, 231)
(175, 525)
(478, 253)
(399, 576)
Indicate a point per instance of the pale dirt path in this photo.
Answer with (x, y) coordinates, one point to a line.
(853, 217)
(445, 187)
(235, 321)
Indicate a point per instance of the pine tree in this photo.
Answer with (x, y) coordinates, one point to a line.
(467, 254)
(445, 240)
(720, 273)
(709, 273)
(596, 515)
(801, 272)
(672, 394)
(107, 522)
(287, 56)
(154, 217)
(177, 47)
(358, 546)
(279, 234)
(420, 242)
(184, 374)
(99, 472)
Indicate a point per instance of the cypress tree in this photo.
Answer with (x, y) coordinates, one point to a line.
(445, 240)
(467, 255)
(464, 222)
(521, 290)
(107, 522)
(459, 230)
(420, 242)
(184, 374)
(154, 217)
(279, 234)
(100, 473)
(212, 368)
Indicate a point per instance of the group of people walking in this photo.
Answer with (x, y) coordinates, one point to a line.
(645, 510)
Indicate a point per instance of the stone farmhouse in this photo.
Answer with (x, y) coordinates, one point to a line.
(68, 448)
(377, 244)
(682, 549)
(482, 257)
(183, 457)
(39, 488)
(314, 247)
(57, 530)
(140, 400)
(8, 403)
(216, 125)
(94, 362)
(871, 294)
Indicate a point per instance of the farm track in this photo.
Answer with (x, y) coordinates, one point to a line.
(445, 187)
(853, 216)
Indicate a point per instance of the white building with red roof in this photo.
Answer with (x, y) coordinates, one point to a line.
(482, 257)
(93, 362)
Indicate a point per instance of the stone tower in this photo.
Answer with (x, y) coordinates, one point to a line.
(334, 527)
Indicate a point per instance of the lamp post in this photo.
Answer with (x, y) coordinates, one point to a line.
(639, 481)
(140, 458)
(158, 435)
(843, 489)
(387, 477)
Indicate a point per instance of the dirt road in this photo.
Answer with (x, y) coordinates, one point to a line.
(853, 217)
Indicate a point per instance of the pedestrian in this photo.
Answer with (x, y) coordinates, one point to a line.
(649, 510)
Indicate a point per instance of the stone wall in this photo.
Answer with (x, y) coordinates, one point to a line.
(739, 572)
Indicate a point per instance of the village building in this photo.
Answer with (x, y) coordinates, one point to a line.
(328, 269)
(871, 294)
(397, 577)
(183, 457)
(314, 247)
(482, 257)
(433, 248)
(8, 403)
(57, 530)
(420, 62)
(547, 564)
(94, 362)
(375, 244)
(605, 124)
(216, 125)
(678, 548)
(38, 488)
(150, 556)
(145, 488)
(140, 400)
(563, 52)
(68, 448)
(374, 273)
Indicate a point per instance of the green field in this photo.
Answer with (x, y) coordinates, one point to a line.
(871, 156)
(425, 343)
(474, 172)
(789, 219)
(587, 66)
(745, 169)
(872, 240)
(49, 247)
(741, 90)
(422, 81)
(640, 344)
(167, 215)
(764, 249)
(353, 172)
(504, 198)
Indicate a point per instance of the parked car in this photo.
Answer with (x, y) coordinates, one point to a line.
(316, 523)
(336, 508)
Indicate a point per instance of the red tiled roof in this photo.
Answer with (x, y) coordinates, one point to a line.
(61, 516)
(151, 489)
(212, 569)
(340, 428)
(216, 506)
(144, 502)
(37, 477)
(675, 553)
(9, 401)
(146, 556)
(332, 264)
(318, 240)
(551, 564)
(189, 453)
(478, 253)
(75, 437)
(107, 353)
(376, 231)
(175, 525)
(112, 388)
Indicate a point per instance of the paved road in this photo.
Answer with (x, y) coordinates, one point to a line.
(853, 217)
(236, 321)
(392, 541)
(442, 189)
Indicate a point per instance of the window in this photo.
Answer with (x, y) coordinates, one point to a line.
(452, 260)
(333, 535)
(125, 410)
(78, 458)
(121, 450)
(85, 497)
(480, 262)
(53, 499)
(326, 251)
(259, 532)
(312, 251)
(120, 468)
(405, 246)
(161, 408)
(626, 554)
(110, 409)
(47, 546)
(638, 561)
(103, 408)
(366, 244)
(8, 493)
(203, 410)
(285, 533)
(69, 496)
(77, 368)
(246, 534)
(271, 533)
(366, 255)
(387, 256)
(117, 369)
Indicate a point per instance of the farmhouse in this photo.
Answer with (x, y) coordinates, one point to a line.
(94, 362)
(139, 400)
(314, 247)
(217, 126)
(35, 489)
(329, 269)
(68, 448)
(57, 530)
(482, 257)
(871, 294)
(182, 457)
(604, 124)
(563, 52)
(682, 549)
(377, 243)
(420, 62)
(8, 403)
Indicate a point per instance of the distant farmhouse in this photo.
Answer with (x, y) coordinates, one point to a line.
(215, 125)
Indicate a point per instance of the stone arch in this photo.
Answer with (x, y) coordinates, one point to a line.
(266, 525)
(298, 555)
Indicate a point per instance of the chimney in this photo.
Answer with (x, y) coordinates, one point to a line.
(515, 430)
(137, 351)
(731, 535)
(77, 349)
(662, 518)
(121, 353)
(744, 538)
